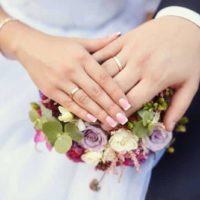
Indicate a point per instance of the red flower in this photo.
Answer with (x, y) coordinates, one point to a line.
(50, 104)
(75, 152)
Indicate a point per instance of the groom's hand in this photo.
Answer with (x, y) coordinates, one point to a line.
(161, 53)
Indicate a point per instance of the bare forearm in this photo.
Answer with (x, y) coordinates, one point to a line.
(12, 34)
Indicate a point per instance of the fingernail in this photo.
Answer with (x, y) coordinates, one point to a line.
(115, 34)
(91, 118)
(122, 119)
(111, 121)
(124, 103)
(172, 125)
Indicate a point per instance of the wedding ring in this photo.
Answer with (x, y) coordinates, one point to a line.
(74, 91)
(118, 63)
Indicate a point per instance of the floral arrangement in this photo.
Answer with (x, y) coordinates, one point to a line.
(127, 145)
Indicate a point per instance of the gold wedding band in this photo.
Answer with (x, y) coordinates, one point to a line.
(74, 91)
(118, 63)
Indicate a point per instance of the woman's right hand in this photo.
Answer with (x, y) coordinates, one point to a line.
(59, 65)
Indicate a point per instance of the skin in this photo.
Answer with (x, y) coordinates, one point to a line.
(162, 53)
(58, 65)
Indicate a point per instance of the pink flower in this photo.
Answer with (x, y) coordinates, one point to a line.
(94, 138)
(39, 136)
(159, 138)
(50, 104)
(75, 152)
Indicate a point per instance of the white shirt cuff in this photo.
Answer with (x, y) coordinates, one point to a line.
(180, 12)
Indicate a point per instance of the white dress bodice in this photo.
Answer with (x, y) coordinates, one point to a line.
(80, 17)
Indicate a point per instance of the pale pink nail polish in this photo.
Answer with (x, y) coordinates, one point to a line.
(122, 119)
(111, 121)
(91, 118)
(124, 103)
(115, 34)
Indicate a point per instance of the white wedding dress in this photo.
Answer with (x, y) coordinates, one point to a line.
(26, 174)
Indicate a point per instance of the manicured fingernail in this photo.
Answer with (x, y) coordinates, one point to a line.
(172, 125)
(124, 103)
(91, 118)
(111, 121)
(122, 119)
(115, 34)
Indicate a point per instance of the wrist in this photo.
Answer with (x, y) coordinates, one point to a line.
(12, 35)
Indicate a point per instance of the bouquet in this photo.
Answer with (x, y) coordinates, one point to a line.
(80, 141)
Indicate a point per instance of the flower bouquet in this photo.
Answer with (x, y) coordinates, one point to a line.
(80, 141)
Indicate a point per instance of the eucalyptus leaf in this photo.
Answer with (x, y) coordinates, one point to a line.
(140, 130)
(63, 143)
(52, 129)
(72, 130)
(39, 122)
(47, 113)
(147, 116)
(33, 115)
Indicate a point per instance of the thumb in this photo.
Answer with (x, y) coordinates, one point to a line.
(179, 104)
(93, 45)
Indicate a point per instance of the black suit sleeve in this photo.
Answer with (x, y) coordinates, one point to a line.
(191, 4)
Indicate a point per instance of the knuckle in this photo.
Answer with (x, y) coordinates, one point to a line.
(101, 115)
(144, 59)
(82, 57)
(83, 99)
(96, 92)
(116, 93)
(68, 103)
(157, 77)
(104, 77)
(69, 71)
(112, 108)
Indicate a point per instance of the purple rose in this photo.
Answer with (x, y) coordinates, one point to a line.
(159, 138)
(94, 138)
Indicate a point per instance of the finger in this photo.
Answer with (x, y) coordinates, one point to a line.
(112, 67)
(179, 104)
(128, 77)
(99, 96)
(94, 111)
(142, 93)
(87, 103)
(93, 45)
(106, 127)
(64, 100)
(105, 81)
(108, 51)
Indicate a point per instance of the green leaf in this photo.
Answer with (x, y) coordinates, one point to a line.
(146, 115)
(39, 122)
(33, 115)
(72, 130)
(52, 129)
(63, 143)
(140, 130)
(47, 113)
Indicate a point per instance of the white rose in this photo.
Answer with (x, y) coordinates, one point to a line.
(123, 140)
(109, 155)
(92, 157)
(65, 116)
(81, 125)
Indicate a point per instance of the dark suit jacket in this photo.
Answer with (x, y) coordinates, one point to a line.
(177, 176)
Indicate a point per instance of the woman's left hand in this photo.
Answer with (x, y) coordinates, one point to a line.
(162, 53)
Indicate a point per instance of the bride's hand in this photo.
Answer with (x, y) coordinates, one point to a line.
(61, 65)
(161, 53)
